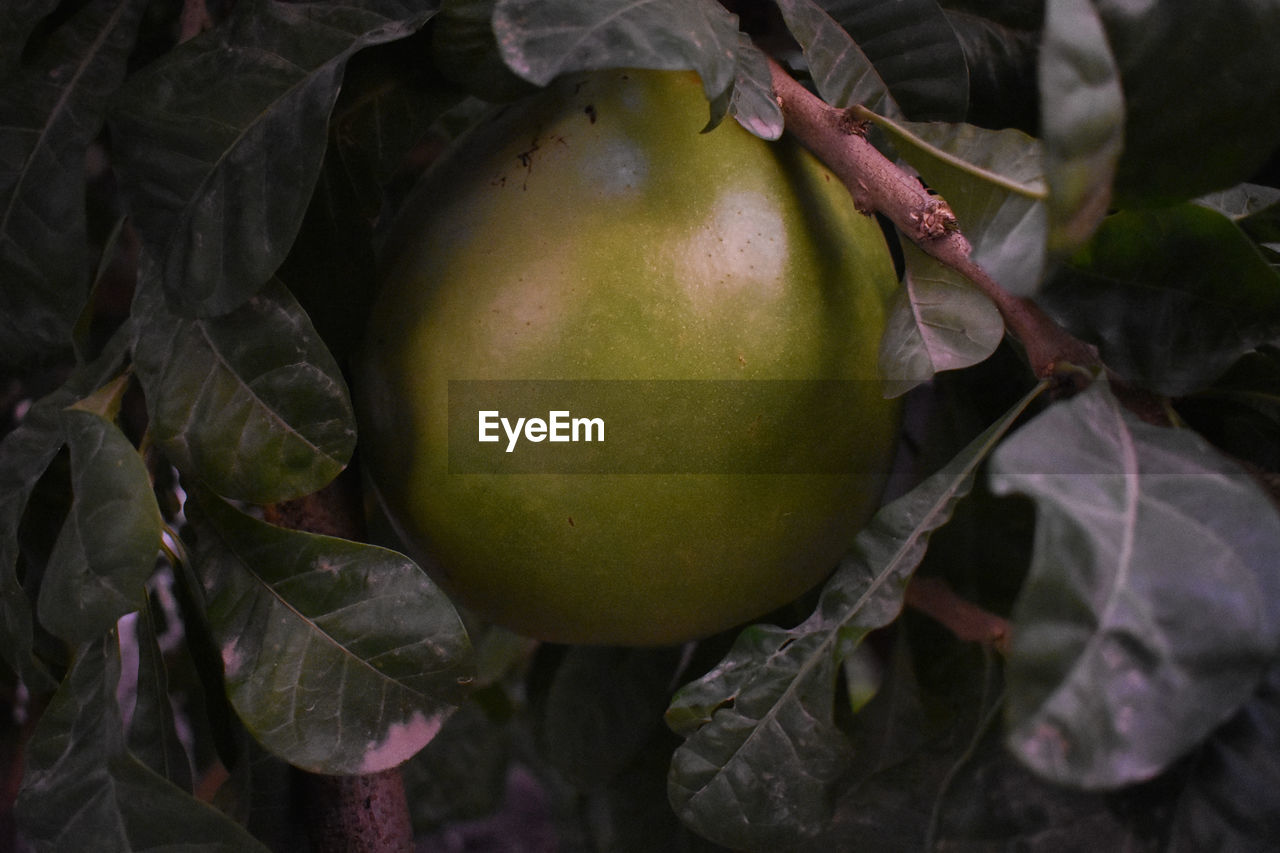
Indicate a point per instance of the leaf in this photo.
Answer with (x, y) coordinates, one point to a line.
(1172, 296)
(1231, 802)
(25, 453)
(1240, 412)
(53, 108)
(1082, 120)
(752, 102)
(603, 705)
(389, 100)
(81, 782)
(151, 730)
(339, 657)
(842, 73)
(21, 19)
(108, 545)
(220, 141)
(914, 50)
(1001, 60)
(251, 401)
(938, 321)
(542, 39)
(1201, 82)
(462, 773)
(763, 753)
(1253, 207)
(465, 50)
(1152, 606)
(994, 182)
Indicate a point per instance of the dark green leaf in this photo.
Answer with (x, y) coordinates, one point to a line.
(466, 51)
(1201, 83)
(542, 39)
(25, 453)
(20, 19)
(1172, 296)
(462, 773)
(1153, 603)
(82, 785)
(914, 50)
(389, 100)
(221, 140)
(1232, 801)
(1255, 208)
(752, 102)
(1016, 14)
(763, 753)
(603, 706)
(994, 182)
(152, 733)
(108, 545)
(251, 401)
(52, 109)
(939, 321)
(339, 657)
(1081, 120)
(1240, 413)
(842, 73)
(1001, 58)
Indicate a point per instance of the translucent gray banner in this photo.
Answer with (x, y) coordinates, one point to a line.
(663, 426)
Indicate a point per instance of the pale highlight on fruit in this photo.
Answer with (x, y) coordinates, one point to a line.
(593, 233)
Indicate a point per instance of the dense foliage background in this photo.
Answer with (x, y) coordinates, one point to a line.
(191, 196)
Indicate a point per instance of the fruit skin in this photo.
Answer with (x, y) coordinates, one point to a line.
(592, 232)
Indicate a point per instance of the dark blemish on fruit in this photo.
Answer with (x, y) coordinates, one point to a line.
(526, 157)
(590, 110)
(571, 521)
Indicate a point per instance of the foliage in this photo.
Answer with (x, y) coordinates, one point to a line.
(189, 221)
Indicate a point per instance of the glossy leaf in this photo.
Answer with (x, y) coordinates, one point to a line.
(1172, 296)
(1201, 82)
(108, 545)
(1152, 607)
(81, 782)
(542, 39)
(1081, 119)
(938, 321)
(52, 109)
(994, 182)
(251, 401)
(221, 140)
(25, 454)
(763, 752)
(842, 73)
(914, 50)
(339, 657)
(1232, 801)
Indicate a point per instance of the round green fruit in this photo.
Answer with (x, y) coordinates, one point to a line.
(593, 235)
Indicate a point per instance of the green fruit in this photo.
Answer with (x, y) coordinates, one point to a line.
(593, 233)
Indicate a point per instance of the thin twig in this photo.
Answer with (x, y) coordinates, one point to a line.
(358, 813)
(837, 138)
(966, 620)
